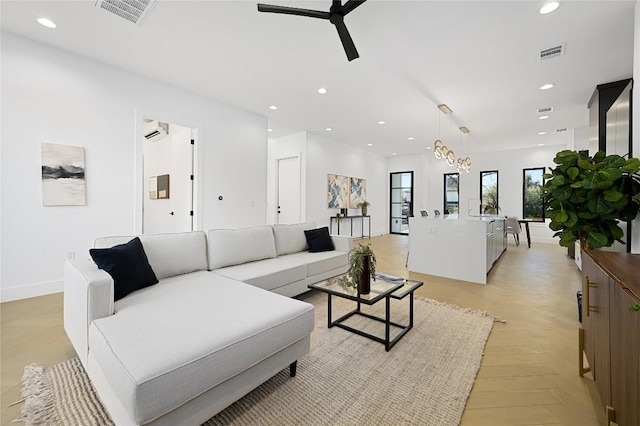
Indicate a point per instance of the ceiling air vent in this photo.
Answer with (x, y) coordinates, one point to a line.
(131, 10)
(546, 110)
(551, 52)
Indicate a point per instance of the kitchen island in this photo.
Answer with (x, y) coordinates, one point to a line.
(462, 249)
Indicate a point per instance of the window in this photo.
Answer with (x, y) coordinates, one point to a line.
(532, 201)
(401, 202)
(451, 185)
(489, 192)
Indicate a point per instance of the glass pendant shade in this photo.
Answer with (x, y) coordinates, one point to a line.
(438, 147)
(451, 158)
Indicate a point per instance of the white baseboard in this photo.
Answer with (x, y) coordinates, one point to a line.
(31, 290)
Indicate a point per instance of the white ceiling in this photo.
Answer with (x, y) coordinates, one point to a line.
(478, 57)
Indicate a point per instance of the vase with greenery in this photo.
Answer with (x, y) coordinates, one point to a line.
(363, 207)
(587, 196)
(362, 267)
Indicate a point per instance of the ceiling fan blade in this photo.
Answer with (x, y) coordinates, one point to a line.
(293, 11)
(350, 5)
(347, 41)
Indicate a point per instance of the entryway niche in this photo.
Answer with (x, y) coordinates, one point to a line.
(168, 177)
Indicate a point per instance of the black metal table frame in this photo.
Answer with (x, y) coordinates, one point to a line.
(388, 344)
(362, 218)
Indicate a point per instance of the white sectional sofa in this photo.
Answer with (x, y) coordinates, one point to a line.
(211, 330)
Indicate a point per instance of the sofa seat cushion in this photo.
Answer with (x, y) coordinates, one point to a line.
(267, 274)
(319, 263)
(169, 343)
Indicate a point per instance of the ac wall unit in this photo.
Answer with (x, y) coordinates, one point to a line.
(156, 131)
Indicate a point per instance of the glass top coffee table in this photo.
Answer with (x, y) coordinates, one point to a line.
(385, 287)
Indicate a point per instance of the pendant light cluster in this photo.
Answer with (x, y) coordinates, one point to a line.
(443, 152)
(440, 150)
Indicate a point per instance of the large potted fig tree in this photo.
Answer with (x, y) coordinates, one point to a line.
(586, 197)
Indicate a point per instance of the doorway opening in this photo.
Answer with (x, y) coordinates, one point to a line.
(401, 204)
(168, 179)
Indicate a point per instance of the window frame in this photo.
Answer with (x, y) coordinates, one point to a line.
(410, 204)
(484, 173)
(524, 190)
(444, 192)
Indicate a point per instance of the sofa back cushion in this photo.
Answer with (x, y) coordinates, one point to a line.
(235, 246)
(291, 238)
(168, 254)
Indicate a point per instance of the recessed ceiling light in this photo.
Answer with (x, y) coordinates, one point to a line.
(381, 122)
(428, 147)
(543, 117)
(393, 153)
(542, 133)
(322, 90)
(47, 22)
(540, 144)
(549, 7)
(273, 107)
(369, 144)
(269, 130)
(328, 129)
(410, 138)
(547, 86)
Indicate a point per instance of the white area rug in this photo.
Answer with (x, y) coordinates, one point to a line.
(346, 379)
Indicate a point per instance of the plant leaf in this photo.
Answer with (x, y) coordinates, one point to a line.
(632, 165)
(612, 195)
(596, 239)
(573, 172)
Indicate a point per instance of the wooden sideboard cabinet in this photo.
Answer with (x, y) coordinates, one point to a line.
(610, 333)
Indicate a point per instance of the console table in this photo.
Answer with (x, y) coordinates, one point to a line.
(350, 219)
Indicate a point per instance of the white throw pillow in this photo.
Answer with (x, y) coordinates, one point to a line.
(235, 246)
(291, 238)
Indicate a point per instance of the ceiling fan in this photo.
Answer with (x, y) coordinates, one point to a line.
(336, 15)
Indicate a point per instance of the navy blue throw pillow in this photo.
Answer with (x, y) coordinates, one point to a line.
(128, 266)
(319, 240)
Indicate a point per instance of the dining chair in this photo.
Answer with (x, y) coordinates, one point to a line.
(513, 228)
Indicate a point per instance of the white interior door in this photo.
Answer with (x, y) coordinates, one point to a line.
(288, 195)
(170, 155)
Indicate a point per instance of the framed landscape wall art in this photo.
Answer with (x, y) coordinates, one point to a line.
(337, 191)
(63, 181)
(357, 192)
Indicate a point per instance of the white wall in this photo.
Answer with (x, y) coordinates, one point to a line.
(52, 96)
(410, 163)
(325, 156)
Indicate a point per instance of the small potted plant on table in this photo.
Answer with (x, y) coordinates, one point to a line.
(362, 267)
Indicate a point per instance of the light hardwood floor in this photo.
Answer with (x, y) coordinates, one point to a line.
(529, 372)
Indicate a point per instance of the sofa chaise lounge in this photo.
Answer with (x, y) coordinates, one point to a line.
(212, 329)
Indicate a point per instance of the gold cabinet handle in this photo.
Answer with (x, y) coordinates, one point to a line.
(610, 414)
(588, 284)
